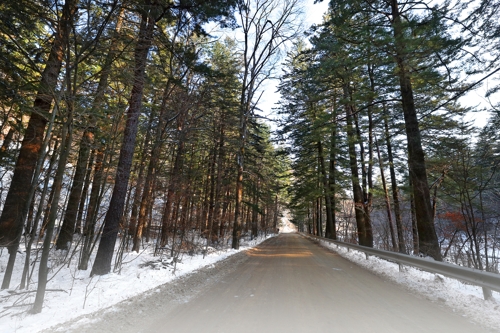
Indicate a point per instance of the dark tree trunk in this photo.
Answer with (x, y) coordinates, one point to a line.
(330, 228)
(46, 214)
(147, 193)
(275, 215)
(67, 139)
(359, 206)
(394, 187)
(141, 179)
(254, 216)
(366, 174)
(169, 214)
(211, 196)
(369, 196)
(102, 264)
(16, 203)
(58, 181)
(332, 177)
(428, 242)
(214, 207)
(309, 224)
(387, 201)
(14, 212)
(413, 217)
(319, 217)
(83, 198)
(217, 221)
(92, 210)
(70, 216)
(68, 227)
(237, 224)
(6, 143)
(34, 229)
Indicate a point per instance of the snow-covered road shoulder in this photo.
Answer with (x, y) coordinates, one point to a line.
(72, 293)
(460, 297)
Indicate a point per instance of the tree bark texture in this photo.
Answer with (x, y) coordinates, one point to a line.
(428, 242)
(102, 264)
(92, 210)
(330, 227)
(68, 227)
(394, 188)
(43, 270)
(366, 176)
(13, 214)
(237, 223)
(387, 201)
(359, 206)
(169, 215)
(70, 217)
(332, 177)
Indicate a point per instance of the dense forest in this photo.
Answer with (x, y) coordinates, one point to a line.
(384, 153)
(127, 123)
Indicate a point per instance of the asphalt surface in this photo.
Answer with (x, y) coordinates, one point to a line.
(286, 284)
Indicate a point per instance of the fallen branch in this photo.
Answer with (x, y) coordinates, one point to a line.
(17, 306)
(16, 293)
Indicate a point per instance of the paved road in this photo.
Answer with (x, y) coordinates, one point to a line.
(290, 284)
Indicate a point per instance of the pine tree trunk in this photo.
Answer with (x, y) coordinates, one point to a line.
(309, 224)
(413, 217)
(330, 228)
(43, 269)
(92, 210)
(387, 201)
(332, 178)
(7, 140)
(102, 263)
(173, 187)
(147, 193)
(34, 229)
(366, 178)
(356, 187)
(394, 187)
(13, 214)
(237, 224)
(215, 185)
(83, 198)
(319, 218)
(254, 218)
(68, 227)
(428, 242)
(20, 192)
(211, 196)
(218, 223)
(141, 179)
(70, 217)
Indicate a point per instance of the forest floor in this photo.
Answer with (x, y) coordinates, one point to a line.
(286, 284)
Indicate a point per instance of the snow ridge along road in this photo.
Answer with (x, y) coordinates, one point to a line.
(286, 284)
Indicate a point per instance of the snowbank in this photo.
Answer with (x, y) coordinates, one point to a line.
(460, 297)
(72, 293)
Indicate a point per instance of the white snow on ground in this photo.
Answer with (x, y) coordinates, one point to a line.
(285, 225)
(460, 297)
(75, 293)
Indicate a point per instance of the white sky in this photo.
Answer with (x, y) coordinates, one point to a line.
(313, 15)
